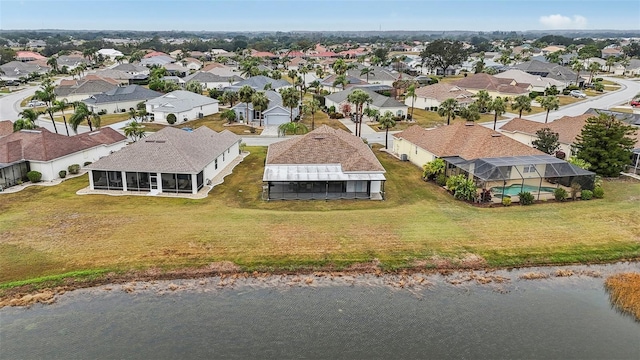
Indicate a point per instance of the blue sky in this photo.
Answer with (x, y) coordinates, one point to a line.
(318, 15)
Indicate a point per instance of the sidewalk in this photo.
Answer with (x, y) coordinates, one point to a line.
(366, 129)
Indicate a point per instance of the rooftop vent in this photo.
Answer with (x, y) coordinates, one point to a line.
(496, 135)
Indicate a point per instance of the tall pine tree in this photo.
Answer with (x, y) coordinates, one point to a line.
(606, 143)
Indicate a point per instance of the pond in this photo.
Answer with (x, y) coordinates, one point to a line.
(470, 315)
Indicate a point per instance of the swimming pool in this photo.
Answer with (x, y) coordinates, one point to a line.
(515, 189)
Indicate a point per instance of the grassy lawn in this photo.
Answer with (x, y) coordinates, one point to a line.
(323, 119)
(622, 110)
(105, 120)
(213, 122)
(429, 119)
(48, 231)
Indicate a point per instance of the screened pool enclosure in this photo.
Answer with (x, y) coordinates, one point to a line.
(508, 176)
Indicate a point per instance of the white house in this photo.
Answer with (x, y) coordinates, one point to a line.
(168, 161)
(110, 53)
(275, 114)
(378, 102)
(431, 96)
(185, 105)
(120, 99)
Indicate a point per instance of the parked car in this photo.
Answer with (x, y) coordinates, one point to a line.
(635, 102)
(578, 94)
(34, 103)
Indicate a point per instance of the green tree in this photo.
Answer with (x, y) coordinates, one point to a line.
(260, 103)
(244, 94)
(229, 97)
(290, 99)
(552, 91)
(433, 168)
(134, 130)
(23, 124)
(606, 143)
(53, 63)
(499, 107)
(193, 86)
(411, 93)
(340, 67)
(593, 68)
(358, 98)
(521, 103)
(293, 128)
(367, 71)
(548, 103)
(483, 100)
(386, 122)
(547, 141)
(443, 54)
(82, 113)
(228, 115)
(577, 66)
(610, 62)
(470, 112)
(448, 108)
(48, 95)
(136, 56)
(311, 106)
(341, 81)
(60, 105)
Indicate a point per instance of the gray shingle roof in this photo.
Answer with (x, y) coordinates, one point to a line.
(131, 68)
(258, 83)
(179, 101)
(206, 77)
(170, 150)
(85, 87)
(377, 99)
(123, 93)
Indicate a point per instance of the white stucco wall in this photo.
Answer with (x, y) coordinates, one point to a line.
(416, 155)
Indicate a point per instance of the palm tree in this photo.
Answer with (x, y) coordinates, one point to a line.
(358, 98)
(260, 103)
(483, 100)
(610, 62)
(386, 122)
(134, 130)
(320, 73)
(470, 112)
(24, 124)
(244, 94)
(315, 85)
(136, 56)
(340, 67)
(290, 99)
(549, 103)
(340, 80)
(367, 71)
(293, 128)
(47, 94)
(577, 66)
(521, 103)
(276, 75)
(499, 107)
(229, 97)
(81, 114)
(448, 108)
(60, 105)
(311, 106)
(194, 87)
(593, 68)
(29, 118)
(411, 92)
(53, 62)
(292, 74)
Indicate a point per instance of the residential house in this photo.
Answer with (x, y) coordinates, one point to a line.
(493, 85)
(274, 115)
(380, 75)
(6, 128)
(296, 63)
(550, 70)
(132, 68)
(552, 48)
(325, 163)
(431, 96)
(538, 83)
(25, 56)
(15, 70)
(154, 54)
(159, 60)
(499, 165)
(185, 105)
(71, 61)
(120, 99)
(191, 63)
(259, 83)
(48, 153)
(328, 83)
(633, 69)
(378, 102)
(611, 51)
(110, 53)
(168, 161)
(77, 90)
(211, 80)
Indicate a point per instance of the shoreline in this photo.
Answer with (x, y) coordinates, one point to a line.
(230, 274)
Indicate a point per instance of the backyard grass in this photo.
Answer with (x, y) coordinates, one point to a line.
(48, 231)
(214, 122)
(105, 120)
(428, 119)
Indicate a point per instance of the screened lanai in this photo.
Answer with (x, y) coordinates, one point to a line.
(508, 176)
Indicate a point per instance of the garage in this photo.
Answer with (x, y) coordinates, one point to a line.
(277, 115)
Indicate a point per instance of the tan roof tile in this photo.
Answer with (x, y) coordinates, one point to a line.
(325, 145)
(444, 91)
(6, 128)
(488, 82)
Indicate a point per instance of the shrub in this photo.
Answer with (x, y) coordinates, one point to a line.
(87, 163)
(34, 176)
(586, 194)
(534, 94)
(506, 201)
(339, 116)
(598, 79)
(598, 192)
(526, 198)
(462, 187)
(441, 179)
(74, 169)
(62, 174)
(171, 119)
(433, 168)
(560, 194)
(102, 112)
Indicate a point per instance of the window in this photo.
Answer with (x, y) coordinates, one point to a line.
(215, 164)
(223, 157)
(529, 168)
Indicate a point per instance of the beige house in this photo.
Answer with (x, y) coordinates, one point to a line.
(538, 83)
(431, 96)
(493, 85)
(324, 164)
(499, 165)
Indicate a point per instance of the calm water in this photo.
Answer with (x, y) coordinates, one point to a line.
(348, 318)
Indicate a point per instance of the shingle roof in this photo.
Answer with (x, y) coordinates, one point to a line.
(524, 77)
(91, 84)
(43, 145)
(631, 119)
(170, 150)
(123, 93)
(379, 74)
(488, 82)
(468, 141)
(554, 71)
(129, 67)
(325, 145)
(444, 91)
(377, 99)
(259, 82)
(6, 128)
(205, 77)
(179, 101)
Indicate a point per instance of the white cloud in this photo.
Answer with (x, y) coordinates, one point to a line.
(558, 21)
